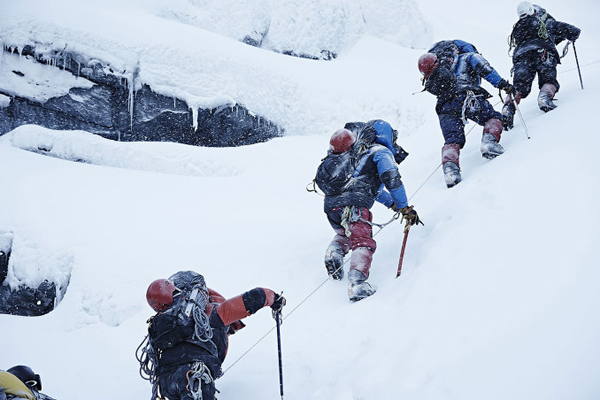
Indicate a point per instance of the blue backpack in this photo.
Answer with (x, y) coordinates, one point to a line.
(337, 173)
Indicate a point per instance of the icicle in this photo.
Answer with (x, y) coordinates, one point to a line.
(130, 99)
(195, 118)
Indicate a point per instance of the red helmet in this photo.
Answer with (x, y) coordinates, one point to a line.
(428, 62)
(341, 141)
(160, 294)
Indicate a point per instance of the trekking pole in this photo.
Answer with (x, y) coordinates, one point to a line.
(577, 61)
(278, 323)
(520, 115)
(406, 230)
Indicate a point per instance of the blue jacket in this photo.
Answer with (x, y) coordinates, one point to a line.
(378, 178)
(470, 68)
(462, 73)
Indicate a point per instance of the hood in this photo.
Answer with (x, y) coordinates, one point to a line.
(385, 134)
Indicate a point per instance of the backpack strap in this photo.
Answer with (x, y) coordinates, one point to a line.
(365, 156)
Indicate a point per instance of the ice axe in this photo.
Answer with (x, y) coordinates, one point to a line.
(565, 51)
(406, 230)
(411, 219)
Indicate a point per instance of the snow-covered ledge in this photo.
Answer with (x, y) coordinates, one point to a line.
(33, 280)
(59, 89)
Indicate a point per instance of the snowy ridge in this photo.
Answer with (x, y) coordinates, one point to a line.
(85, 147)
(215, 70)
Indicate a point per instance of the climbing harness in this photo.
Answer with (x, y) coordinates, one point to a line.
(350, 215)
(198, 375)
(470, 104)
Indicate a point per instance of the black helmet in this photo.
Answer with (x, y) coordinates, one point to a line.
(27, 376)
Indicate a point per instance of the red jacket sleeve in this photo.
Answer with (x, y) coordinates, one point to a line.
(244, 305)
(215, 297)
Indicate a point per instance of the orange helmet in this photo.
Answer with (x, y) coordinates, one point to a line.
(428, 62)
(160, 294)
(341, 141)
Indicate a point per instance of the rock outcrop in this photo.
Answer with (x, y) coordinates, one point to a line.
(115, 105)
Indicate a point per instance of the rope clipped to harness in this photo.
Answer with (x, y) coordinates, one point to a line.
(196, 376)
(349, 215)
(147, 356)
(543, 31)
(471, 104)
(352, 214)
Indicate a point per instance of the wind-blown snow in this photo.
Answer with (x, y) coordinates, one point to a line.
(187, 61)
(498, 297)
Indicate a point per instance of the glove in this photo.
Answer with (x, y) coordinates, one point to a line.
(507, 87)
(411, 216)
(400, 155)
(278, 303)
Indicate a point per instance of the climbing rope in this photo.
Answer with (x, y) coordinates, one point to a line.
(148, 359)
(381, 226)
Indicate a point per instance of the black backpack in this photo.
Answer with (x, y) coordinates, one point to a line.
(180, 322)
(443, 78)
(336, 172)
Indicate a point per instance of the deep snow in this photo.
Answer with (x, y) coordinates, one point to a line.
(498, 297)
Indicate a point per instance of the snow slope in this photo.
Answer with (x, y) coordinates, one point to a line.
(498, 297)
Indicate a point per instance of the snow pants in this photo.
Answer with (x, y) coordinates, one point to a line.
(176, 385)
(527, 65)
(358, 236)
(451, 114)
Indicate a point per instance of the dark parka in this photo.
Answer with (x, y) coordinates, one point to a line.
(379, 178)
(224, 319)
(529, 34)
